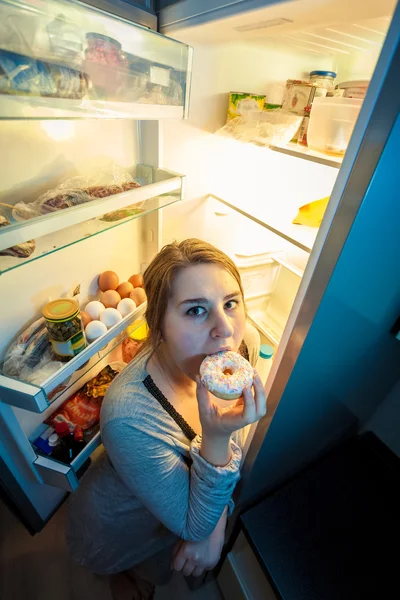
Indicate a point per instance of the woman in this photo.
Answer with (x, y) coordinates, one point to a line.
(162, 492)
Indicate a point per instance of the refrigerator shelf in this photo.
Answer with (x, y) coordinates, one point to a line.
(64, 59)
(71, 375)
(298, 235)
(308, 154)
(63, 476)
(18, 107)
(57, 230)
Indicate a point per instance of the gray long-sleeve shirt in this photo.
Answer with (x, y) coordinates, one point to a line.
(152, 486)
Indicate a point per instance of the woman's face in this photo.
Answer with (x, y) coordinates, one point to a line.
(205, 314)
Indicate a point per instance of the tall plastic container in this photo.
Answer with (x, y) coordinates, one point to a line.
(332, 122)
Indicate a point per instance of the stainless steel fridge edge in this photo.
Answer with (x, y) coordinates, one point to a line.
(377, 117)
(127, 11)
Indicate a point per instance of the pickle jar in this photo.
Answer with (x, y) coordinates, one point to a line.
(64, 325)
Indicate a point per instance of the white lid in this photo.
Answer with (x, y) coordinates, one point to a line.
(361, 83)
(53, 439)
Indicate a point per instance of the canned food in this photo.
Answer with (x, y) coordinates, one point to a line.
(64, 325)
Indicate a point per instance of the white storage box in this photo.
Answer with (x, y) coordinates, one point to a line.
(258, 273)
(332, 122)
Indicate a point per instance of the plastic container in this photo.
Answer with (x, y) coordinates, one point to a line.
(324, 79)
(331, 124)
(64, 325)
(354, 89)
(258, 273)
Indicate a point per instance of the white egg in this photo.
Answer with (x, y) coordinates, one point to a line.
(126, 306)
(110, 317)
(94, 330)
(94, 309)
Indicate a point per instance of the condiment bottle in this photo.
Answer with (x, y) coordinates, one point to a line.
(64, 325)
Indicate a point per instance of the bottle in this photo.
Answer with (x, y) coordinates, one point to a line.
(69, 445)
(265, 364)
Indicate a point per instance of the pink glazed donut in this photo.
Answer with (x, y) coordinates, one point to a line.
(226, 374)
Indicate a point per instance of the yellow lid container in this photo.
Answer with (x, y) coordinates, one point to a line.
(60, 310)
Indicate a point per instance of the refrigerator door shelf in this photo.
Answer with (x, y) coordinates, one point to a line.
(62, 59)
(154, 182)
(71, 375)
(63, 476)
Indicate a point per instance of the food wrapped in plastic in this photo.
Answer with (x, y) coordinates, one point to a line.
(27, 350)
(266, 128)
(22, 250)
(99, 183)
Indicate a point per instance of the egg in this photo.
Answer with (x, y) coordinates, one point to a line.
(136, 280)
(124, 289)
(110, 298)
(108, 281)
(126, 306)
(110, 317)
(94, 330)
(138, 296)
(86, 318)
(94, 309)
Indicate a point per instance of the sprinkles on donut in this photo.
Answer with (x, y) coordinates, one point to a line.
(226, 374)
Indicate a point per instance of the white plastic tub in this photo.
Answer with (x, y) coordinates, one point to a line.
(332, 122)
(354, 89)
(258, 273)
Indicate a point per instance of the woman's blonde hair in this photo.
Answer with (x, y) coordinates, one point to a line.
(162, 271)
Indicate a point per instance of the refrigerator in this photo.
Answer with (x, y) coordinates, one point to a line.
(325, 299)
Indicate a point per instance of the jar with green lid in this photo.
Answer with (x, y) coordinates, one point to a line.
(64, 325)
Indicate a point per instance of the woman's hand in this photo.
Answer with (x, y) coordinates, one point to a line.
(221, 422)
(193, 558)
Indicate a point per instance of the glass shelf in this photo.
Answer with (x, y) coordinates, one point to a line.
(49, 244)
(73, 374)
(59, 229)
(65, 59)
(299, 235)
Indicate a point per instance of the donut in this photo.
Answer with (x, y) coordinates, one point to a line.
(226, 374)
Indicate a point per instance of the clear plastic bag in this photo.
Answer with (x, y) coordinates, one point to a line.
(264, 128)
(100, 183)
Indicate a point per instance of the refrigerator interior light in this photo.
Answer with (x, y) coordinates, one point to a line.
(59, 130)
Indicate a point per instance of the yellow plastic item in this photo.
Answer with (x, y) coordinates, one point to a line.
(311, 214)
(139, 334)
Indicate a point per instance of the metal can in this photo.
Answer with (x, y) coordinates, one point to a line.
(64, 325)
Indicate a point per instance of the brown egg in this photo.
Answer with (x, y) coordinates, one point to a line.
(108, 281)
(85, 318)
(124, 289)
(136, 280)
(138, 296)
(110, 298)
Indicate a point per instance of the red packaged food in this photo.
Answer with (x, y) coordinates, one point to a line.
(83, 408)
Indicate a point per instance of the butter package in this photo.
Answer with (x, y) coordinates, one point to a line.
(311, 214)
(241, 103)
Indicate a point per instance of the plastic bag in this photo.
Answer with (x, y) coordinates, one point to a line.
(100, 183)
(264, 128)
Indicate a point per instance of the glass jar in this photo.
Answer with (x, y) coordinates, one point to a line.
(324, 79)
(64, 325)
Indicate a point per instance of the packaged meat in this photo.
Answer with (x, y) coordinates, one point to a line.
(22, 250)
(83, 408)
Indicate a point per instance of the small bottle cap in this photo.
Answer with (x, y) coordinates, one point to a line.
(266, 351)
(53, 439)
